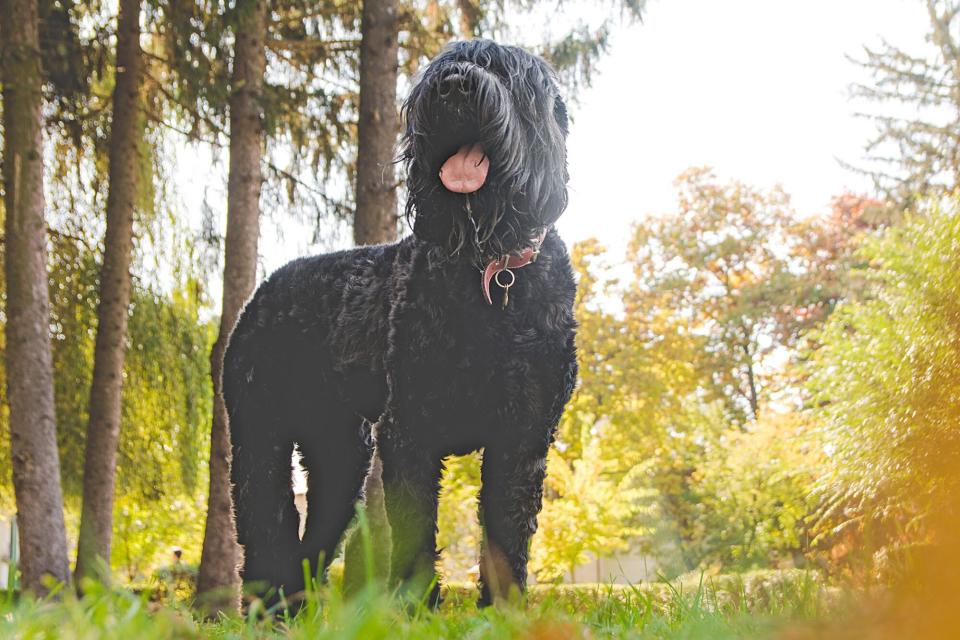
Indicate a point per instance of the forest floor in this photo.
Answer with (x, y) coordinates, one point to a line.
(757, 605)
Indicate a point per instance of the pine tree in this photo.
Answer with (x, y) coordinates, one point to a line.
(103, 428)
(916, 155)
(33, 436)
(376, 216)
(218, 581)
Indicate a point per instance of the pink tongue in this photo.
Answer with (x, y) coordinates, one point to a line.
(466, 170)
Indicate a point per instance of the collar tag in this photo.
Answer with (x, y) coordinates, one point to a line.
(506, 263)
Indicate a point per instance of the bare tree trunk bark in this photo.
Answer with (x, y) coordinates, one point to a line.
(376, 217)
(375, 222)
(469, 18)
(751, 382)
(103, 428)
(219, 581)
(33, 435)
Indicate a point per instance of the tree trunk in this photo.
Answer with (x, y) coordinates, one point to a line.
(469, 18)
(219, 581)
(751, 380)
(375, 221)
(33, 435)
(103, 428)
(376, 217)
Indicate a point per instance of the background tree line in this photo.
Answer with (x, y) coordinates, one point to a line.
(763, 388)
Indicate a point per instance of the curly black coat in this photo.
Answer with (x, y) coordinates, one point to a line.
(400, 335)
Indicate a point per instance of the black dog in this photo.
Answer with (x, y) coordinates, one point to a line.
(457, 338)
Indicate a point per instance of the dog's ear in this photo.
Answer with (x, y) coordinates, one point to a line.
(560, 113)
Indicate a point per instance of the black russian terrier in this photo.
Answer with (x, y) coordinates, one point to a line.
(457, 338)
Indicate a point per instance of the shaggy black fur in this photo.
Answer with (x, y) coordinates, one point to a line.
(400, 335)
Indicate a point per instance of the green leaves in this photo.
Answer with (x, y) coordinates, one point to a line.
(588, 509)
(886, 382)
(165, 411)
(688, 388)
(724, 267)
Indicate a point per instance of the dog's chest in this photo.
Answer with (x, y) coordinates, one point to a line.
(456, 360)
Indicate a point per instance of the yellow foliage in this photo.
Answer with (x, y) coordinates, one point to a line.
(587, 510)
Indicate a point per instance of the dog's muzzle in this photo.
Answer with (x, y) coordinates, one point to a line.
(458, 89)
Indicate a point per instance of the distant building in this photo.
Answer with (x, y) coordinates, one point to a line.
(629, 567)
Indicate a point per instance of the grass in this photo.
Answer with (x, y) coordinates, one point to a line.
(757, 605)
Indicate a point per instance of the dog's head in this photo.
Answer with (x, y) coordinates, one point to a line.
(485, 150)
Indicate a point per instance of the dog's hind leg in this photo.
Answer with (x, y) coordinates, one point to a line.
(267, 520)
(336, 459)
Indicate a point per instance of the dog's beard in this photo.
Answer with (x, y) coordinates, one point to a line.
(519, 122)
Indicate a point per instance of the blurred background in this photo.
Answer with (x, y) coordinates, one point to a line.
(763, 219)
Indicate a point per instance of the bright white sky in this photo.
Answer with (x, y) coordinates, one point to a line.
(756, 89)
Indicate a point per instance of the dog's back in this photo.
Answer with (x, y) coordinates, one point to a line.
(310, 327)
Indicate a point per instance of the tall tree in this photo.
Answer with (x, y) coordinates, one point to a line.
(721, 265)
(218, 579)
(103, 427)
(376, 216)
(471, 11)
(916, 150)
(375, 221)
(33, 437)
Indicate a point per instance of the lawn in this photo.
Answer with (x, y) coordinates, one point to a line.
(755, 605)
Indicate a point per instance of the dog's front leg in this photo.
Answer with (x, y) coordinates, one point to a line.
(411, 487)
(510, 499)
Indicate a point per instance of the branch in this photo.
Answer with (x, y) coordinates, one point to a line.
(197, 116)
(56, 233)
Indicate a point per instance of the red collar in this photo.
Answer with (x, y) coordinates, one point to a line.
(505, 264)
